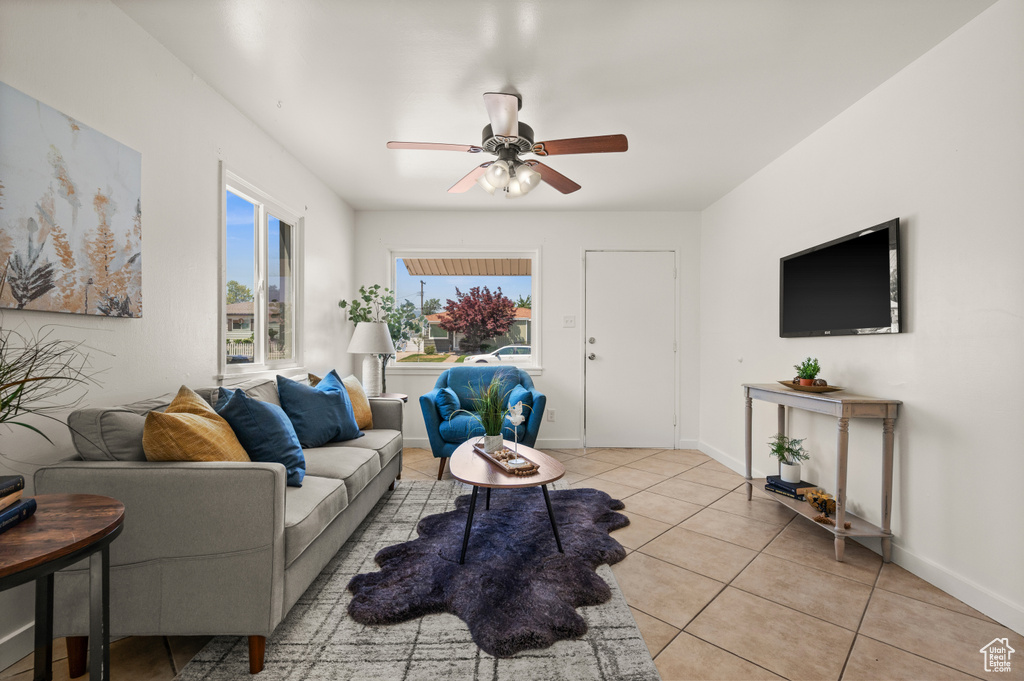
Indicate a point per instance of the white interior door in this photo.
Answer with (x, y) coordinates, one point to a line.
(630, 349)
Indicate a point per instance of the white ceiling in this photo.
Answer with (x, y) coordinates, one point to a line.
(707, 91)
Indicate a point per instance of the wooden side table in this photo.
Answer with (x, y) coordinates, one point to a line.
(65, 529)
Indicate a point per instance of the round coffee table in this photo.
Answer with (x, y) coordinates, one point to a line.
(473, 469)
(65, 529)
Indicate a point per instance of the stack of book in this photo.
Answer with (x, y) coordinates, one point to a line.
(793, 490)
(14, 509)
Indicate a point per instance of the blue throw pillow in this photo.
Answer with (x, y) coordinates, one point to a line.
(320, 414)
(447, 403)
(265, 432)
(521, 394)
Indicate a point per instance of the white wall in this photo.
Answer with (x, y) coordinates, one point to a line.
(89, 61)
(940, 146)
(562, 239)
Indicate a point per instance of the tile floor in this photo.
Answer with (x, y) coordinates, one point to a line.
(721, 587)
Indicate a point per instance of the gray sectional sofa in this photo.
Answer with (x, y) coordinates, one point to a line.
(213, 548)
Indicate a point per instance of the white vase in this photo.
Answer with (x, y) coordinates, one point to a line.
(790, 472)
(493, 443)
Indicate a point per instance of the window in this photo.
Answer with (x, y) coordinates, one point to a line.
(261, 280)
(467, 303)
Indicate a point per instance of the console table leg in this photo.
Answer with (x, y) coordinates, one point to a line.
(99, 615)
(888, 437)
(748, 419)
(842, 451)
(469, 524)
(43, 659)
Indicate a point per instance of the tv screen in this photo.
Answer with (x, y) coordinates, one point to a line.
(850, 285)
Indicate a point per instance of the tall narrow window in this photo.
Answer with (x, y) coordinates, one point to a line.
(261, 280)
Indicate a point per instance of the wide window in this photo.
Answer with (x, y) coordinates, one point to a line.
(478, 307)
(261, 280)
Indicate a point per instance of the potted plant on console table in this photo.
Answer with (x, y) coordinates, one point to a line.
(807, 370)
(790, 452)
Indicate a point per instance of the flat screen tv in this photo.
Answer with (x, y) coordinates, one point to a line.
(850, 285)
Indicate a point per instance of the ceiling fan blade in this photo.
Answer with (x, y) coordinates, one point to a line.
(582, 145)
(554, 178)
(466, 183)
(435, 146)
(503, 110)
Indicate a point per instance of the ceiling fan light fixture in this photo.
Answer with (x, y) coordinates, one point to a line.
(498, 175)
(528, 178)
(485, 185)
(514, 189)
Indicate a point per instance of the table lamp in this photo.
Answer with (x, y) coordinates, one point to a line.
(371, 339)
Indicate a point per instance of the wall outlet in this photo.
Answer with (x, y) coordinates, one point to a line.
(551, 414)
(569, 321)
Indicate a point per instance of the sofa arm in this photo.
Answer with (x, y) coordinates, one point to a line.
(387, 413)
(432, 421)
(182, 509)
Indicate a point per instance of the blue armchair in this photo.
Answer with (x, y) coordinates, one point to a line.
(447, 432)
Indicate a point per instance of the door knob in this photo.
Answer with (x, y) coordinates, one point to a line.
(591, 356)
(592, 340)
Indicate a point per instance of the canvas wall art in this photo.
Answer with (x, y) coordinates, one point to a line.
(70, 213)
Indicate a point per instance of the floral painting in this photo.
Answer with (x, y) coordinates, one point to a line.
(70, 214)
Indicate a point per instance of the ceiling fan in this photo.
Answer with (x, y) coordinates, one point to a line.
(507, 137)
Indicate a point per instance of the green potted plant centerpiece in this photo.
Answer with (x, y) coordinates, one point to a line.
(807, 370)
(490, 408)
(790, 452)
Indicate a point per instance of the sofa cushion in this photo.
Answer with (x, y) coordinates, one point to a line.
(467, 381)
(447, 403)
(360, 403)
(264, 431)
(262, 389)
(319, 414)
(190, 430)
(521, 394)
(354, 466)
(387, 443)
(460, 428)
(308, 510)
(113, 433)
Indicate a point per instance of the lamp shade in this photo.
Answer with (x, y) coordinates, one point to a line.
(372, 338)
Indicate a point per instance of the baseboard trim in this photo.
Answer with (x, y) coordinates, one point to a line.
(980, 598)
(17, 644)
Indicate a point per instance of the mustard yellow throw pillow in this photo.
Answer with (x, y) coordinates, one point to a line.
(360, 404)
(190, 430)
(357, 396)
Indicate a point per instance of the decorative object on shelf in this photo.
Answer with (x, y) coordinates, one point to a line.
(373, 340)
(793, 490)
(73, 213)
(795, 385)
(822, 501)
(790, 452)
(825, 520)
(376, 304)
(807, 371)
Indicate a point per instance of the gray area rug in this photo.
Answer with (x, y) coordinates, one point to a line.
(319, 641)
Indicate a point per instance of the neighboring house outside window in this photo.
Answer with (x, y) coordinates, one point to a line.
(432, 282)
(261, 281)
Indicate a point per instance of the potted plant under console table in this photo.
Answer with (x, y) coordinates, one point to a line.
(843, 406)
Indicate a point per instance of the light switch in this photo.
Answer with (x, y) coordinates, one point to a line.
(569, 321)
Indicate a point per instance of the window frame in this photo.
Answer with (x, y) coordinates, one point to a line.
(535, 367)
(266, 206)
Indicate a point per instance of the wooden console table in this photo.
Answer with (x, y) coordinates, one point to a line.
(844, 406)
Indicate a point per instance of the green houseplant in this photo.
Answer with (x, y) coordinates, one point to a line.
(807, 370)
(490, 408)
(790, 452)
